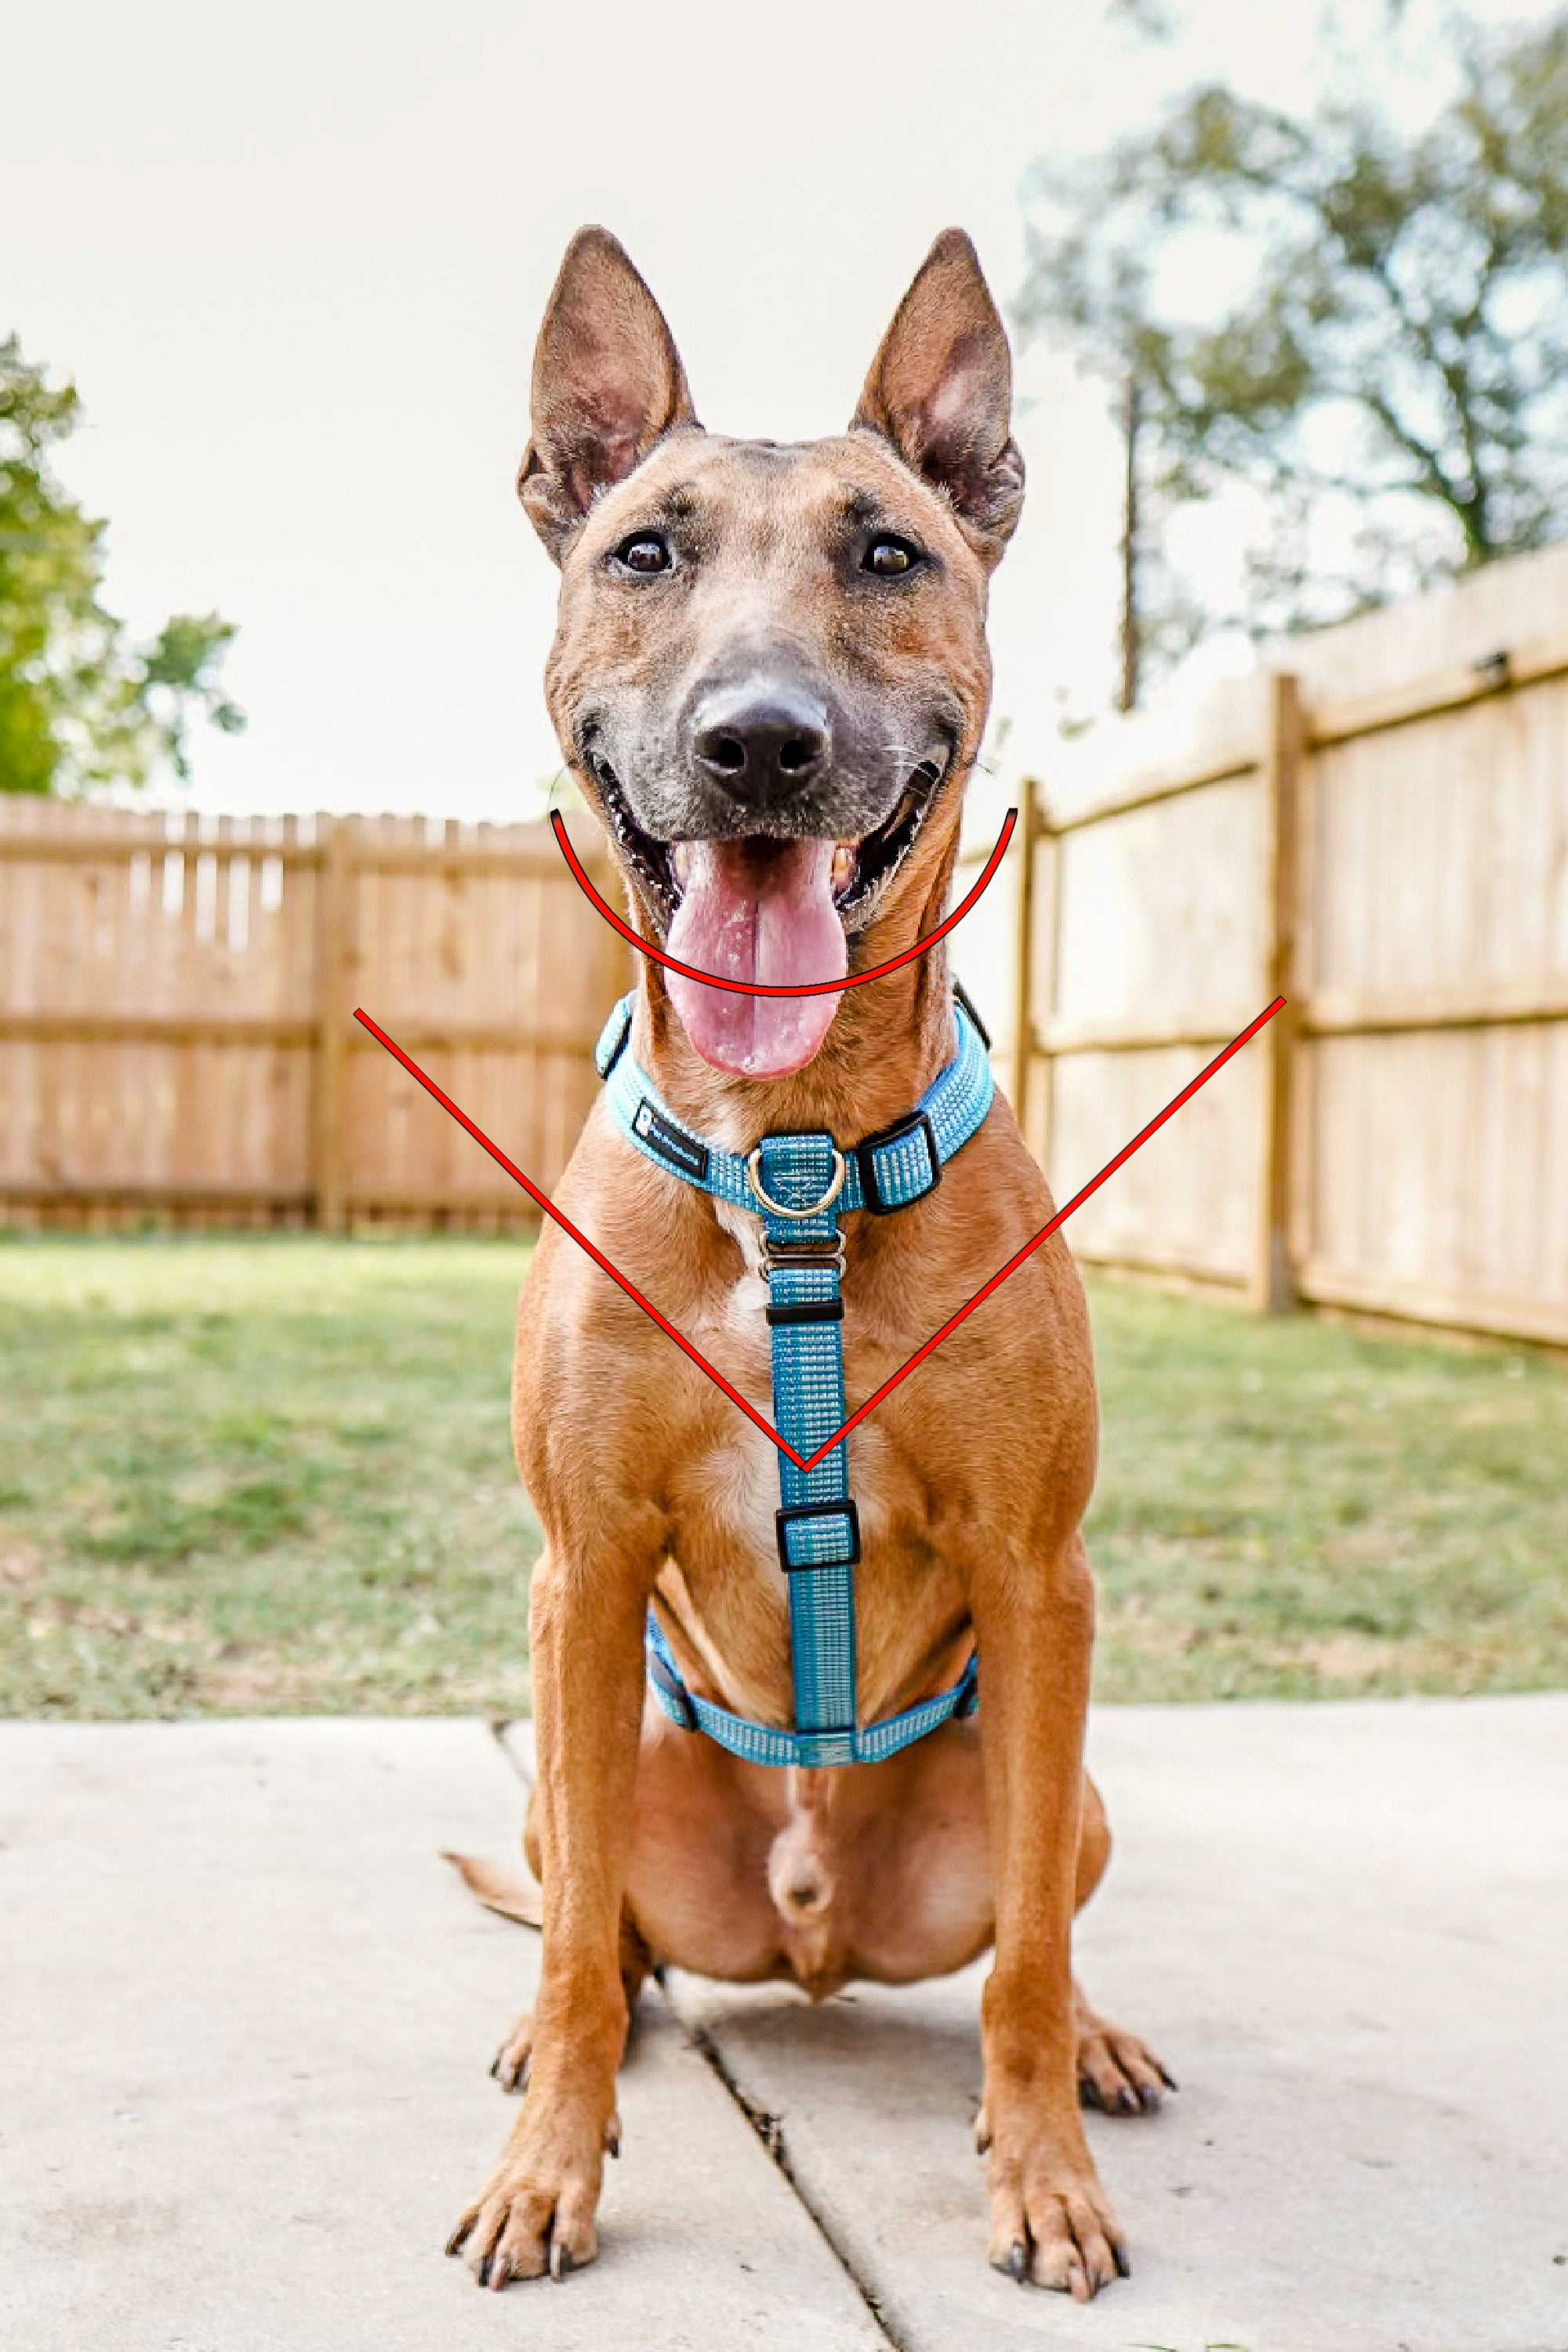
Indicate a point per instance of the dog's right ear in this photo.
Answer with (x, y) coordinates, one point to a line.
(607, 384)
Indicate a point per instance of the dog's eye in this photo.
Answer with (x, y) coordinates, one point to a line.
(644, 553)
(888, 557)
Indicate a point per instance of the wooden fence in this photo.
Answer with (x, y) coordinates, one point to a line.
(1380, 831)
(176, 1015)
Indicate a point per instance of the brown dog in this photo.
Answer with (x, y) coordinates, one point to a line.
(770, 676)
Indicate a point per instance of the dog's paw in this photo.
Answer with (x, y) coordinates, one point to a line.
(535, 2213)
(1117, 2072)
(1052, 2225)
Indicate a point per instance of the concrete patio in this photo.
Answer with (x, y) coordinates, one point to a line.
(245, 2015)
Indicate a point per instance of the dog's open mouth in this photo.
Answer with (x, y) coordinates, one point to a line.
(861, 870)
(768, 910)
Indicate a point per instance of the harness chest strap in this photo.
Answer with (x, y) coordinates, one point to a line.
(799, 1185)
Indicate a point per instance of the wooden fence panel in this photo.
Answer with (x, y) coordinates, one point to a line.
(1386, 845)
(155, 1032)
(1435, 926)
(176, 1002)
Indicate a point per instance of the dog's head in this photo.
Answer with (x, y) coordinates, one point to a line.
(769, 670)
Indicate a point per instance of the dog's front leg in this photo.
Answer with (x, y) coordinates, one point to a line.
(1050, 2218)
(536, 2211)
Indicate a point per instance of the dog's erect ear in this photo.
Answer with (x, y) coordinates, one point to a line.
(608, 383)
(940, 389)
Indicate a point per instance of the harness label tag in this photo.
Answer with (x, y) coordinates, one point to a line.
(671, 1143)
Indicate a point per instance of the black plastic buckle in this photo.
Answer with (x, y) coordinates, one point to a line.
(674, 1689)
(611, 1052)
(967, 1002)
(865, 1158)
(809, 1310)
(783, 1520)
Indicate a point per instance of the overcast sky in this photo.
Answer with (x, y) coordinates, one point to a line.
(294, 258)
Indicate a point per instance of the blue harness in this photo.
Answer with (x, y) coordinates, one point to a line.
(800, 1185)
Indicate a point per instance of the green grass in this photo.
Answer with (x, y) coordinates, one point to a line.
(1299, 1509)
(243, 1476)
(274, 1473)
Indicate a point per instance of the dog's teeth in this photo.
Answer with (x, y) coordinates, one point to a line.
(843, 866)
(680, 859)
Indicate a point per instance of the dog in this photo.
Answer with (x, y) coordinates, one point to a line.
(770, 678)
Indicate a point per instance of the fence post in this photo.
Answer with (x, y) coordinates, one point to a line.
(1046, 830)
(1273, 1285)
(333, 883)
(1023, 953)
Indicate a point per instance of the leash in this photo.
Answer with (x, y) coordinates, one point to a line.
(800, 1185)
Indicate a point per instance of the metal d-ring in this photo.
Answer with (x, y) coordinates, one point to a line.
(777, 1208)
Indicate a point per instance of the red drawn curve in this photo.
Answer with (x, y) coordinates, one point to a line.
(801, 988)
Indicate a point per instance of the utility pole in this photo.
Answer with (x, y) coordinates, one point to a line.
(1131, 619)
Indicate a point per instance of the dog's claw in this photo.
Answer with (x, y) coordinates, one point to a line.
(1119, 2253)
(458, 2238)
(560, 2260)
(1019, 2261)
(1166, 2077)
(1150, 2098)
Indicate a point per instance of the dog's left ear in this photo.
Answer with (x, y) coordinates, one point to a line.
(940, 389)
(607, 384)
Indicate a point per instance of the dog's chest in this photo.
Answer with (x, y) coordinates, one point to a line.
(727, 1493)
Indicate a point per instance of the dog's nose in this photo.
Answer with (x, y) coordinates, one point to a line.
(760, 742)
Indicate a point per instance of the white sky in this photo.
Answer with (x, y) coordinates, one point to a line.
(294, 259)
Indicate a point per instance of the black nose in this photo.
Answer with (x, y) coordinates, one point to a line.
(759, 741)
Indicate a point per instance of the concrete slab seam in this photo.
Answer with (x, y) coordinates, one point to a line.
(769, 2129)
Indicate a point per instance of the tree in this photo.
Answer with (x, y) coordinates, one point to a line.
(1360, 331)
(81, 706)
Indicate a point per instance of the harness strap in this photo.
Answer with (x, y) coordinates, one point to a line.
(799, 1185)
(764, 1743)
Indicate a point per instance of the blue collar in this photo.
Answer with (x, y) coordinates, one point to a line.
(800, 1185)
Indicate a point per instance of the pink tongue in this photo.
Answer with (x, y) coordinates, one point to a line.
(762, 912)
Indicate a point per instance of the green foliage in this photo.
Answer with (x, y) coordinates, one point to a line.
(1378, 349)
(81, 707)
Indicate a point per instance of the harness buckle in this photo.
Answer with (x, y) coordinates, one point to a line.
(901, 1131)
(778, 1254)
(808, 1310)
(796, 1515)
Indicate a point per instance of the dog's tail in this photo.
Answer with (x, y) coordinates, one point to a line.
(511, 1894)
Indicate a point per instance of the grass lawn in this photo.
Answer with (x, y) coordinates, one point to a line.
(273, 1474)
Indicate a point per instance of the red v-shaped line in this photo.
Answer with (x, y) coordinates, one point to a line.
(806, 1461)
